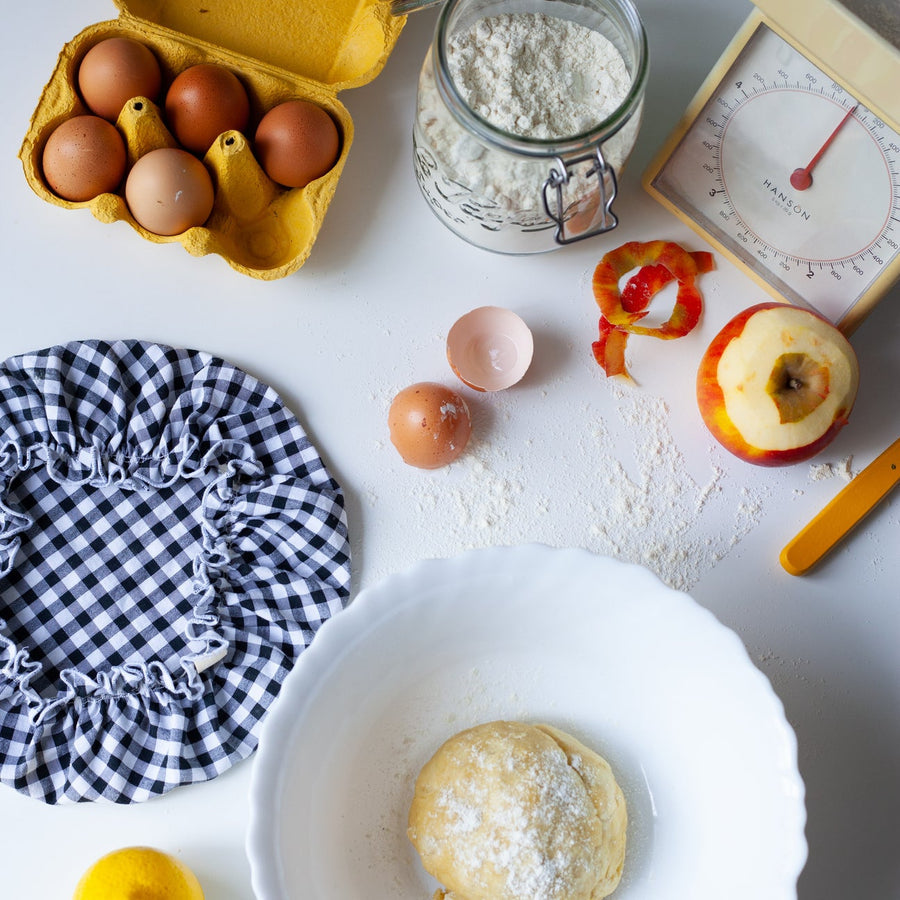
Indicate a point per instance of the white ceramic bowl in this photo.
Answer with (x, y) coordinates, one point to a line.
(599, 648)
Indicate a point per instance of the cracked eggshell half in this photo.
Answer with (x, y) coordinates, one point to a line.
(490, 348)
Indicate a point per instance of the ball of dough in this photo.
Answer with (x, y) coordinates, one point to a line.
(509, 811)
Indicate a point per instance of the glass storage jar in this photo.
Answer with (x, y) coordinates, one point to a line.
(513, 192)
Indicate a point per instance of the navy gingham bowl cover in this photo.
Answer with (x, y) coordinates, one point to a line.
(170, 542)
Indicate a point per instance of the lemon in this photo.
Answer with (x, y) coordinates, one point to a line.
(138, 873)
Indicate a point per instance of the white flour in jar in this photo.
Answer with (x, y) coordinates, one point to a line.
(531, 75)
(537, 76)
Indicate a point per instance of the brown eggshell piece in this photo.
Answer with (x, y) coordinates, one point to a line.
(203, 102)
(297, 142)
(168, 191)
(116, 70)
(84, 157)
(429, 425)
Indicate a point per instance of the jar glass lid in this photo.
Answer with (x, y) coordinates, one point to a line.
(399, 7)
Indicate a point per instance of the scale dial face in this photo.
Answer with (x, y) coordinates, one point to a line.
(791, 175)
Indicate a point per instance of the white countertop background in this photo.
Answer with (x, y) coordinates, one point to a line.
(368, 315)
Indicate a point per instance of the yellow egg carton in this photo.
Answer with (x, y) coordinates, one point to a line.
(280, 50)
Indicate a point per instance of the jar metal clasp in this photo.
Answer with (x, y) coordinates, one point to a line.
(578, 211)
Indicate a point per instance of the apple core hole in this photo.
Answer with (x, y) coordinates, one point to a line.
(797, 385)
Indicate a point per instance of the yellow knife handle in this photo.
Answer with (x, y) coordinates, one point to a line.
(845, 511)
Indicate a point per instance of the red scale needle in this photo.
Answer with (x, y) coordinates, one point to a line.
(801, 179)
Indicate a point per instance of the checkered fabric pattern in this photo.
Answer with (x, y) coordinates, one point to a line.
(170, 542)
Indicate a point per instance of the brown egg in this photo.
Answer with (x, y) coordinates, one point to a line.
(203, 102)
(114, 71)
(429, 425)
(169, 191)
(84, 157)
(296, 143)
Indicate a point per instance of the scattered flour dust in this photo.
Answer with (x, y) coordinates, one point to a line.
(654, 515)
(822, 471)
(637, 503)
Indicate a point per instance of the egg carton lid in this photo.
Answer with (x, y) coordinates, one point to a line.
(170, 542)
(339, 43)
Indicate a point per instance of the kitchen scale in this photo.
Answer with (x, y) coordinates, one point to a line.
(788, 158)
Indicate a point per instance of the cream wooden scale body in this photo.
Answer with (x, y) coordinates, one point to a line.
(788, 158)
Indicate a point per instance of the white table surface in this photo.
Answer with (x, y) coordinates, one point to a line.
(366, 316)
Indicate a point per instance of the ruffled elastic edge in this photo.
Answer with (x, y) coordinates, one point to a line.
(65, 752)
(91, 466)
